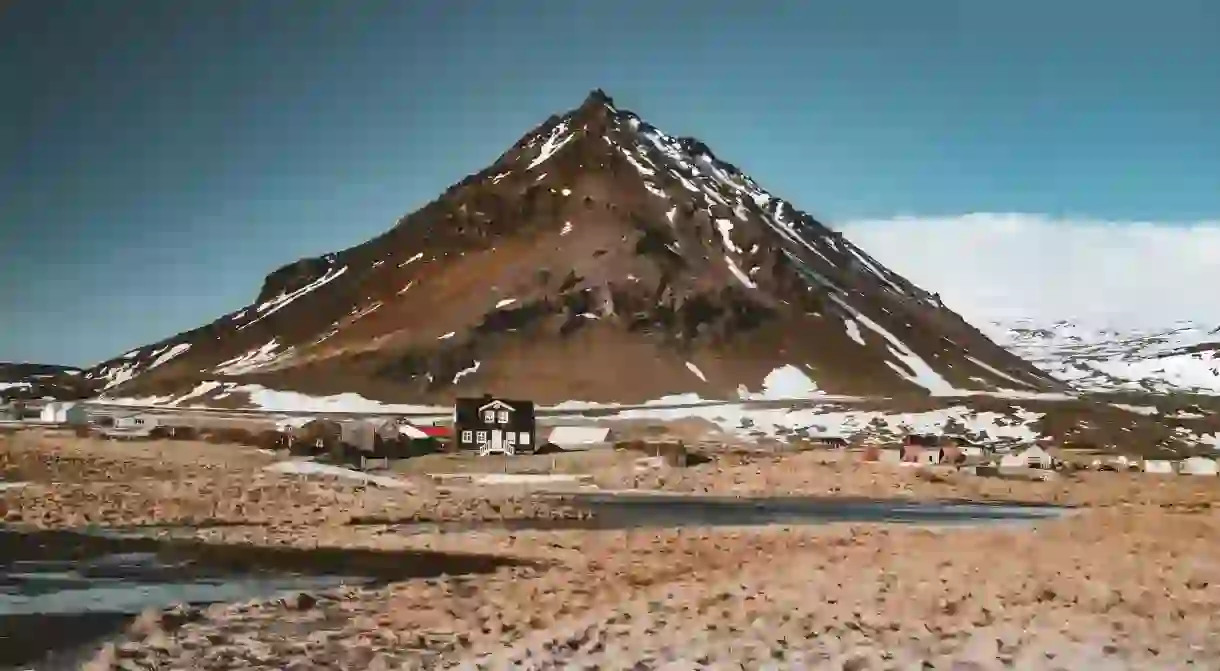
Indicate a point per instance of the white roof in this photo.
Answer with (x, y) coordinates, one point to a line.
(1034, 451)
(578, 435)
(1199, 465)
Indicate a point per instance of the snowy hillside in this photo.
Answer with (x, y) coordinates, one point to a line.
(1179, 357)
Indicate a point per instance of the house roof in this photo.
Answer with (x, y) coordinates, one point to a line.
(497, 405)
(412, 431)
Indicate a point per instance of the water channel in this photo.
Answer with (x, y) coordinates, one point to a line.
(62, 592)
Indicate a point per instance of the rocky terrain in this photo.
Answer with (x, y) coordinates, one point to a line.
(1123, 593)
(595, 232)
(23, 381)
(1124, 583)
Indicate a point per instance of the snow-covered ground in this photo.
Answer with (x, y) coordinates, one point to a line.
(755, 416)
(1104, 358)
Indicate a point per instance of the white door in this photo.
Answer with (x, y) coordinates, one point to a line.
(497, 441)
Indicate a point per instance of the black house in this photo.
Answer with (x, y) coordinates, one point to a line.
(492, 425)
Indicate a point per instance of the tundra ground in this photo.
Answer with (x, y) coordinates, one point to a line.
(1128, 582)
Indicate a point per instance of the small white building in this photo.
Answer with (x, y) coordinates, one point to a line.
(579, 437)
(135, 423)
(1158, 466)
(1012, 461)
(1030, 457)
(64, 412)
(1198, 466)
(889, 456)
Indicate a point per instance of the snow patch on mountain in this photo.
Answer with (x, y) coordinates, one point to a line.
(1105, 358)
(270, 307)
(254, 360)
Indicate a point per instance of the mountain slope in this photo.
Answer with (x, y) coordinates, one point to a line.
(1181, 357)
(597, 259)
(27, 381)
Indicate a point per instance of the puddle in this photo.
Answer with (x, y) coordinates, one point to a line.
(61, 592)
(652, 510)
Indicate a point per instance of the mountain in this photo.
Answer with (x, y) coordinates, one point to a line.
(1180, 357)
(598, 259)
(24, 381)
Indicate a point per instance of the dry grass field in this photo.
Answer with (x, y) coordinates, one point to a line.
(1130, 581)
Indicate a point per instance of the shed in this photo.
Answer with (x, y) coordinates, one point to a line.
(367, 434)
(838, 442)
(136, 422)
(972, 451)
(1160, 466)
(579, 437)
(1013, 461)
(1034, 457)
(917, 454)
(64, 412)
(1198, 466)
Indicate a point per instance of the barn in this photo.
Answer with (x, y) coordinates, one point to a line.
(64, 412)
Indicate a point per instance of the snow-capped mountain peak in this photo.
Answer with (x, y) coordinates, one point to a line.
(596, 237)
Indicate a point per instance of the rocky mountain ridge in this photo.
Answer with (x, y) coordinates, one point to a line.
(27, 381)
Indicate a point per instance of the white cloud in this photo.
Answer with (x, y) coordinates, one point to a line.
(1005, 266)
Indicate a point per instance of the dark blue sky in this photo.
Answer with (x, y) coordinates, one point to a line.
(158, 158)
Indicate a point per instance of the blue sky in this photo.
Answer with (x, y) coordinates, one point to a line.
(158, 158)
